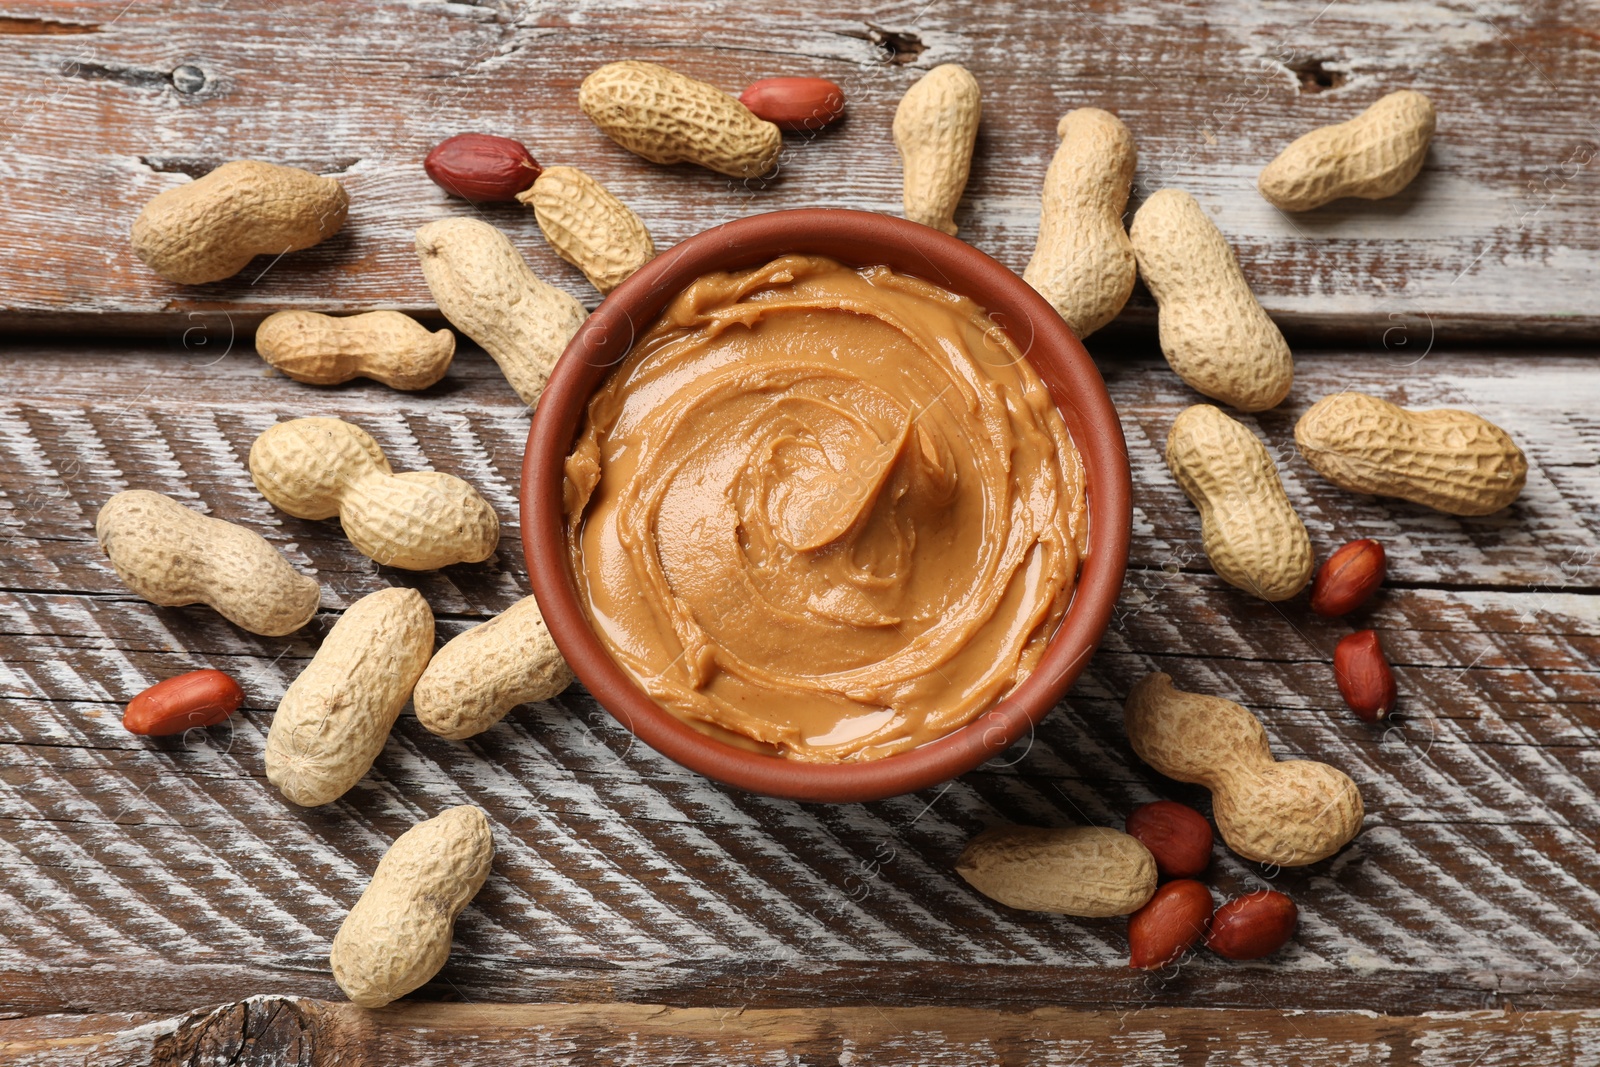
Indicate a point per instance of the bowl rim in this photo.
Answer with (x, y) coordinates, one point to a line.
(1075, 385)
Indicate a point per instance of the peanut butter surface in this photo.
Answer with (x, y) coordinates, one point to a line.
(823, 512)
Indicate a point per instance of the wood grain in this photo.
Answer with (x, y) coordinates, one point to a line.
(108, 104)
(621, 877)
(654, 916)
(292, 1031)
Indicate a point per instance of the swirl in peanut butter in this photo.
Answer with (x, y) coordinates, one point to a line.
(824, 512)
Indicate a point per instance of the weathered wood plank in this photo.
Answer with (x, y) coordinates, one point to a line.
(82, 421)
(271, 1030)
(1495, 237)
(622, 876)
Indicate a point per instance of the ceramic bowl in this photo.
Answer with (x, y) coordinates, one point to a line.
(859, 239)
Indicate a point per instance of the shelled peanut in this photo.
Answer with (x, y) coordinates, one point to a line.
(1089, 871)
(1177, 836)
(1452, 461)
(588, 227)
(481, 167)
(319, 468)
(935, 128)
(1288, 813)
(172, 556)
(1174, 921)
(398, 934)
(1248, 528)
(477, 677)
(334, 718)
(1348, 578)
(385, 346)
(1364, 677)
(488, 292)
(1251, 926)
(1213, 331)
(1083, 262)
(183, 702)
(795, 103)
(212, 227)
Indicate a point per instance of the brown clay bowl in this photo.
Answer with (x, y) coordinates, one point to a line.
(860, 239)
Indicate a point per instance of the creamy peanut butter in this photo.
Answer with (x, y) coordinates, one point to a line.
(827, 513)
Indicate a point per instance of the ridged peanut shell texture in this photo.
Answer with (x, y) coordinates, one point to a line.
(385, 346)
(1450, 460)
(1088, 871)
(935, 127)
(398, 934)
(1249, 530)
(480, 675)
(212, 227)
(319, 468)
(335, 717)
(1289, 814)
(1214, 333)
(1083, 262)
(1374, 155)
(588, 227)
(488, 292)
(173, 556)
(667, 117)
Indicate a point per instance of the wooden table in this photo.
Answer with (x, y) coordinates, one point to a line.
(159, 902)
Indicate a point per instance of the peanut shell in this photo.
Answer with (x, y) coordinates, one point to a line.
(483, 673)
(1089, 871)
(1249, 530)
(1374, 155)
(1452, 461)
(488, 292)
(1083, 262)
(398, 934)
(667, 117)
(588, 227)
(334, 718)
(172, 556)
(212, 227)
(1288, 813)
(385, 346)
(1214, 333)
(935, 127)
(318, 468)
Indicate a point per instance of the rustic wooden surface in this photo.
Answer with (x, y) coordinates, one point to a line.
(621, 877)
(315, 1033)
(108, 103)
(144, 881)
